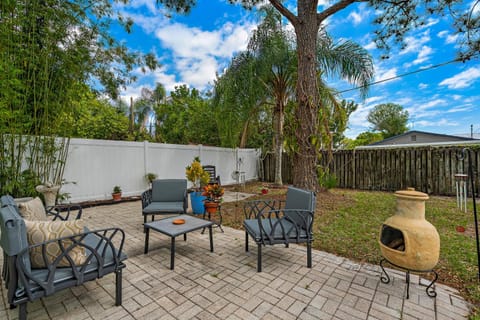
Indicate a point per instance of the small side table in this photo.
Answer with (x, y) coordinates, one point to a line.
(166, 227)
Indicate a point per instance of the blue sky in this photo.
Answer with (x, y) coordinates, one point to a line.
(193, 48)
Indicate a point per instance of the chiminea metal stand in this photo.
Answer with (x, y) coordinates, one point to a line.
(386, 279)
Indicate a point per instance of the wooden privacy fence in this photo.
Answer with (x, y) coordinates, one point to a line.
(427, 169)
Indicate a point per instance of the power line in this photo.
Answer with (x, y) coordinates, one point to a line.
(404, 74)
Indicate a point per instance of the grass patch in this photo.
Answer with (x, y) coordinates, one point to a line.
(348, 222)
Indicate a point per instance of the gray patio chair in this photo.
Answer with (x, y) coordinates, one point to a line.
(167, 196)
(269, 224)
(214, 179)
(26, 282)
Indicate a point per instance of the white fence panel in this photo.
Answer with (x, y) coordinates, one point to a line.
(96, 166)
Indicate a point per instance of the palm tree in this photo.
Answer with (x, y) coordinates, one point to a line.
(144, 107)
(272, 55)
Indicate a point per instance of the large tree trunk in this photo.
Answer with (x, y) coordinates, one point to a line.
(305, 159)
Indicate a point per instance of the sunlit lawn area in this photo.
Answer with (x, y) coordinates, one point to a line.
(348, 224)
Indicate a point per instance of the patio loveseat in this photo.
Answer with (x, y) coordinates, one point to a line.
(32, 271)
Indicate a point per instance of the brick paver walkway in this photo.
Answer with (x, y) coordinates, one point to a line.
(225, 285)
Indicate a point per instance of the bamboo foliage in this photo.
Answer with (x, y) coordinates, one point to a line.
(49, 51)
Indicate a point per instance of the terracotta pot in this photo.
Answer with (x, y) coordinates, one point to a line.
(211, 207)
(117, 196)
(460, 228)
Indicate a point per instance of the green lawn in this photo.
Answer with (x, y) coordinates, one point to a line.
(347, 223)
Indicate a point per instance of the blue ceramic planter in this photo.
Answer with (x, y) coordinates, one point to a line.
(197, 202)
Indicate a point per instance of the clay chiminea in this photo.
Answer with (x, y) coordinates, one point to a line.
(407, 239)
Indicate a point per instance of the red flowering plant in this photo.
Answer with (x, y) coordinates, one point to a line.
(213, 192)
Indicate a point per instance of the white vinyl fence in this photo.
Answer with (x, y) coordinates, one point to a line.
(96, 166)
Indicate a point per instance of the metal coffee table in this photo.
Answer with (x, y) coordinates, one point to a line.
(166, 227)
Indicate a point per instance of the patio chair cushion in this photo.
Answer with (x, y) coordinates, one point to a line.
(33, 210)
(169, 190)
(253, 228)
(13, 237)
(302, 200)
(166, 207)
(65, 274)
(41, 231)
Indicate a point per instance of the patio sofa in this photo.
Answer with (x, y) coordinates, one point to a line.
(32, 271)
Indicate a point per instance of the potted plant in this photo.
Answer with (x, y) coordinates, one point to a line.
(198, 177)
(49, 191)
(150, 177)
(117, 193)
(213, 194)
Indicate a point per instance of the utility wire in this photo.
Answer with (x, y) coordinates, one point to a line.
(404, 74)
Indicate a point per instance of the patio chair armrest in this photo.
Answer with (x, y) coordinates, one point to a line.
(146, 198)
(63, 211)
(253, 208)
(300, 217)
(103, 249)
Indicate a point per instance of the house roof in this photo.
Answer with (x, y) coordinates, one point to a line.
(446, 136)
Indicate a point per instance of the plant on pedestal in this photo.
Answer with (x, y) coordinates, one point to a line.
(214, 194)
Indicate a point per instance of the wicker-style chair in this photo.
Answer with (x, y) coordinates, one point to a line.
(25, 282)
(214, 179)
(270, 222)
(167, 196)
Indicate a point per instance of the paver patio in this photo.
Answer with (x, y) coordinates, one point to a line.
(225, 285)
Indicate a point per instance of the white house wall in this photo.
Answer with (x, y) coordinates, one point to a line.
(96, 166)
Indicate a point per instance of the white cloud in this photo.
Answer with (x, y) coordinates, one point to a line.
(384, 74)
(198, 54)
(137, 4)
(198, 72)
(430, 22)
(428, 109)
(423, 55)
(370, 46)
(148, 80)
(449, 38)
(356, 17)
(439, 123)
(460, 109)
(422, 86)
(373, 99)
(414, 44)
(462, 80)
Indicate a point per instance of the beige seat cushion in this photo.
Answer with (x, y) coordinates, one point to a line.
(41, 231)
(33, 210)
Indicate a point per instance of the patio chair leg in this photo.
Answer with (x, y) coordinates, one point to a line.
(246, 241)
(309, 254)
(22, 311)
(259, 258)
(118, 287)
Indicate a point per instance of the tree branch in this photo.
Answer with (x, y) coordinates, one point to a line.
(284, 11)
(342, 4)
